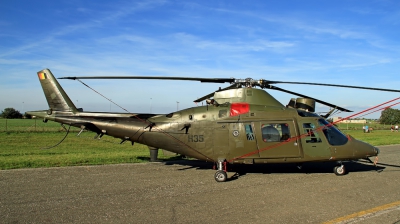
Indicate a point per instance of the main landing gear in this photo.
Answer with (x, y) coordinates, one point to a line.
(221, 175)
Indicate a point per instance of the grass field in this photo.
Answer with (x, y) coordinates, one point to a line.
(29, 125)
(21, 143)
(23, 150)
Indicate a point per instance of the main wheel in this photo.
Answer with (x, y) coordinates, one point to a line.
(339, 170)
(220, 176)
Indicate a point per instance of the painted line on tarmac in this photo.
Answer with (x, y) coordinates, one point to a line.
(373, 212)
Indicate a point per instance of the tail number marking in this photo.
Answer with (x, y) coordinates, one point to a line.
(195, 138)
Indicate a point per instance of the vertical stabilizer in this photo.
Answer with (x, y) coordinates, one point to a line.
(56, 97)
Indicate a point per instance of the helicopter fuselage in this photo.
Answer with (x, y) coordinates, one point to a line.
(257, 134)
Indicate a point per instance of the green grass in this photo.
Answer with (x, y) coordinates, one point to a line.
(22, 140)
(374, 125)
(380, 135)
(28, 125)
(25, 150)
(377, 137)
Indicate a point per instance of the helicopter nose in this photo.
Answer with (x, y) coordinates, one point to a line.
(363, 149)
(372, 151)
(377, 151)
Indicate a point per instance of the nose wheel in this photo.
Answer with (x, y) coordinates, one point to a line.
(339, 170)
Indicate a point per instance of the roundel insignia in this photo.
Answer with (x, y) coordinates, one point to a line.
(235, 133)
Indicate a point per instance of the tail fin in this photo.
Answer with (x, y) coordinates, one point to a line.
(56, 97)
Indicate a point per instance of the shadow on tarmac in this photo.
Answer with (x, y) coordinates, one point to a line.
(280, 168)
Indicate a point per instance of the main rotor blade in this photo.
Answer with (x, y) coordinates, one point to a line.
(212, 80)
(333, 85)
(246, 82)
(301, 95)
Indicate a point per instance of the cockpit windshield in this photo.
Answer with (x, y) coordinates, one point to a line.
(303, 113)
(332, 134)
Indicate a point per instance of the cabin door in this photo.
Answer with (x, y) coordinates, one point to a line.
(274, 139)
(313, 140)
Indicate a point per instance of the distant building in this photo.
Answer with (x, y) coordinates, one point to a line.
(358, 121)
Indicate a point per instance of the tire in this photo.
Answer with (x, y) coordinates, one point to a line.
(339, 170)
(220, 176)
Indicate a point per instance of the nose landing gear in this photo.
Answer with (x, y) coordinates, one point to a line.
(339, 170)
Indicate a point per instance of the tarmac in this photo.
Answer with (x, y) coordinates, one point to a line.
(185, 192)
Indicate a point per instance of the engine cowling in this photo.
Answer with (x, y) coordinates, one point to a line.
(302, 104)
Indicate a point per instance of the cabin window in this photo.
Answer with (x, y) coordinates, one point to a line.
(222, 113)
(312, 136)
(249, 132)
(276, 132)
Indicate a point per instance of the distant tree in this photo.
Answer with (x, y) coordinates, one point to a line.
(390, 116)
(11, 113)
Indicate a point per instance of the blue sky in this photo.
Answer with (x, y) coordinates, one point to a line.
(352, 42)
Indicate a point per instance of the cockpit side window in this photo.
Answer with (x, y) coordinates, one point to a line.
(311, 135)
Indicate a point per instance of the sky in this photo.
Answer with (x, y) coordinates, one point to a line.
(348, 42)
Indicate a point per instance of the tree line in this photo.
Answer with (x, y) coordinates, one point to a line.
(390, 116)
(11, 113)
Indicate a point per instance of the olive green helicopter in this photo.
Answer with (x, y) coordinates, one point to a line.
(239, 124)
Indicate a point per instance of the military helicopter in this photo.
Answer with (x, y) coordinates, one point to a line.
(240, 124)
